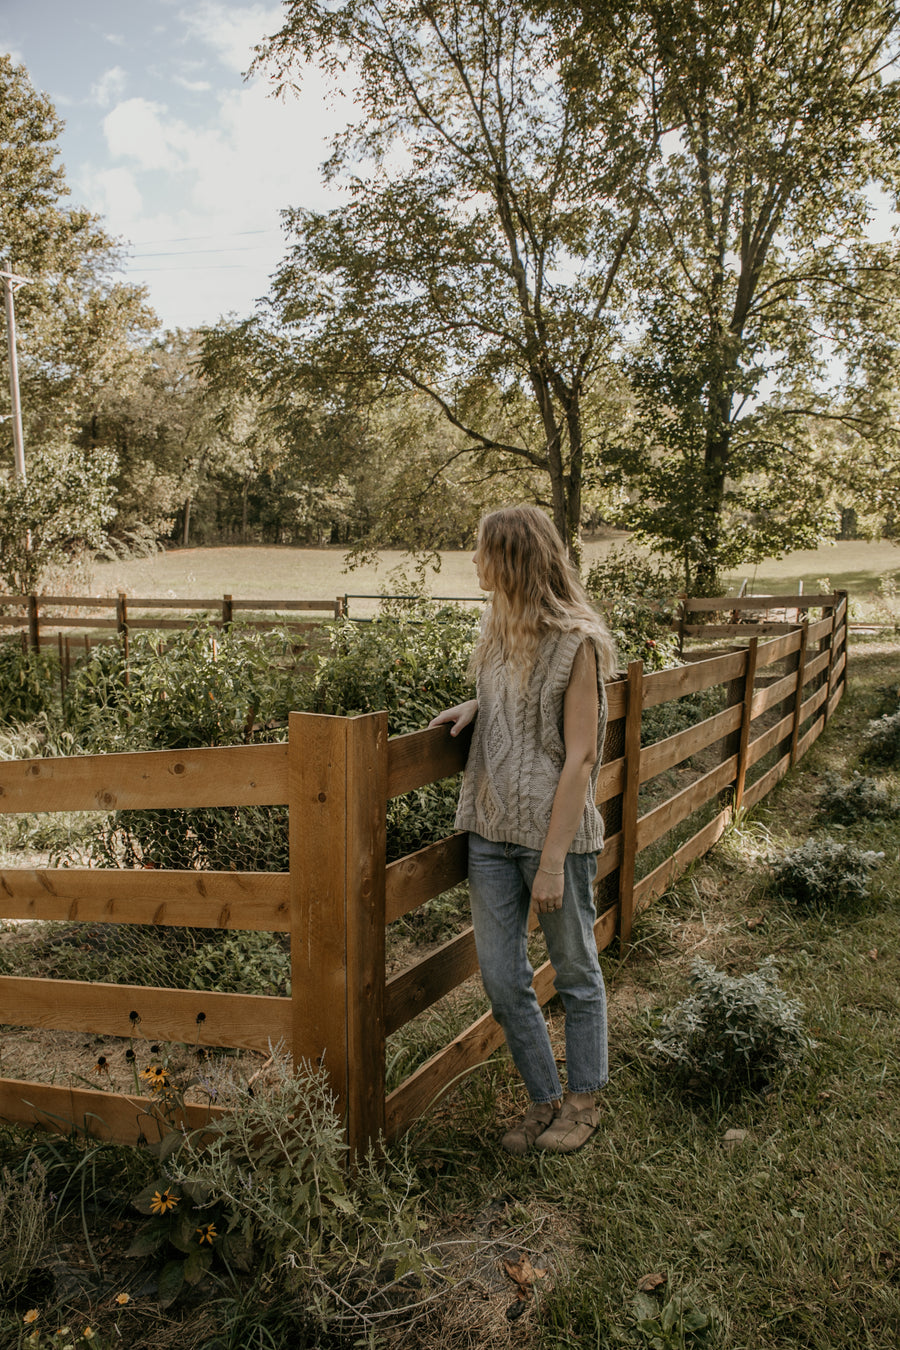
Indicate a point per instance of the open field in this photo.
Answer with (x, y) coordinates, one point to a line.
(319, 573)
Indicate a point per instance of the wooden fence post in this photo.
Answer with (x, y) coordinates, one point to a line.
(122, 629)
(227, 611)
(746, 718)
(634, 703)
(34, 623)
(801, 667)
(338, 797)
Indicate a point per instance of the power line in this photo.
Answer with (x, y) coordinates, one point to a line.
(198, 252)
(191, 238)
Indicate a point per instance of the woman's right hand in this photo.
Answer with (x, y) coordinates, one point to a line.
(458, 717)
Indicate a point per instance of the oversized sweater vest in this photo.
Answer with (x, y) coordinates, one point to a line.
(518, 751)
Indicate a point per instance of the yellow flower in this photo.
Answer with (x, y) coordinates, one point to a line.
(163, 1201)
(122, 1299)
(207, 1233)
(156, 1076)
(31, 1316)
(88, 1334)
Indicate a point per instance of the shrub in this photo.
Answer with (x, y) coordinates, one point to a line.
(733, 1031)
(638, 597)
(860, 799)
(349, 1241)
(881, 740)
(27, 683)
(823, 874)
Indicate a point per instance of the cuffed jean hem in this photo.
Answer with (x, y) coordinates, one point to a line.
(500, 881)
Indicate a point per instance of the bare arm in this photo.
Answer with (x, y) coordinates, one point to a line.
(458, 717)
(581, 712)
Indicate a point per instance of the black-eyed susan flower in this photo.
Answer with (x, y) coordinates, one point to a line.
(122, 1299)
(163, 1201)
(156, 1076)
(207, 1233)
(101, 1066)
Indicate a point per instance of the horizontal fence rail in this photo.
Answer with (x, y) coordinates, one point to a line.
(41, 626)
(665, 800)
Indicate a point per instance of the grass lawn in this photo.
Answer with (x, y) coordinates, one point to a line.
(319, 573)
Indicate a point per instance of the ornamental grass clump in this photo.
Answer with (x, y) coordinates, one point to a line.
(732, 1032)
(824, 875)
(859, 799)
(881, 740)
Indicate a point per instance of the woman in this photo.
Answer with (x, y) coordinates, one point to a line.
(527, 801)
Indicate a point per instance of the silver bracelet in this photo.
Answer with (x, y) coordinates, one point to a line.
(542, 868)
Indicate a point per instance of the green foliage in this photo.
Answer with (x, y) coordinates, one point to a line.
(27, 683)
(732, 1032)
(276, 1164)
(678, 1325)
(822, 874)
(667, 719)
(859, 799)
(881, 740)
(60, 511)
(638, 596)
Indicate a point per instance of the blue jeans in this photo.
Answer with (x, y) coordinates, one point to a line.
(500, 880)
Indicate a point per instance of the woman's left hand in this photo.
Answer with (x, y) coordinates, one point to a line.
(547, 891)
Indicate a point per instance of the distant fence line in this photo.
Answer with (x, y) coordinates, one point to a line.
(336, 775)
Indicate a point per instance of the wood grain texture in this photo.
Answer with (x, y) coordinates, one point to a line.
(658, 881)
(422, 757)
(366, 830)
(634, 708)
(610, 780)
(821, 628)
(672, 812)
(774, 693)
(717, 630)
(815, 666)
(420, 876)
(318, 802)
(418, 987)
(239, 775)
(778, 649)
(192, 1016)
(664, 685)
(762, 744)
(259, 901)
(109, 1116)
(725, 603)
(662, 755)
(763, 785)
(743, 737)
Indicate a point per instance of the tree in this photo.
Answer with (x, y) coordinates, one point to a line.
(490, 206)
(78, 327)
(59, 512)
(757, 277)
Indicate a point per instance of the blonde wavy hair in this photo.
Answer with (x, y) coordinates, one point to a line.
(534, 588)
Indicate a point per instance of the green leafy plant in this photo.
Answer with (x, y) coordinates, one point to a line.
(27, 683)
(732, 1031)
(859, 799)
(823, 874)
(678, 1325)
(881, 740)
(638, 595)
(276, 1165)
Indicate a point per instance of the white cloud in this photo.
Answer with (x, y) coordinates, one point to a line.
(192, 86)
(109, 87)
(137, 129)
(116, 195)
(116, 39)
(232, 32)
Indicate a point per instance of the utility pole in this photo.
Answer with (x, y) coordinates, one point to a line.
(11, 284)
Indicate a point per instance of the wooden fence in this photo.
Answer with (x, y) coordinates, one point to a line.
(336, 775)
(40, 625)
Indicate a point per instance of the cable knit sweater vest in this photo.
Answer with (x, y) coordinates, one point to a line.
(518, 751)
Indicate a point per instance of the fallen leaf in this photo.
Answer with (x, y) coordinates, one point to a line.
(731, 1138)
(754, 923)
(647, 1283)
(873, 954)
(523, 1272)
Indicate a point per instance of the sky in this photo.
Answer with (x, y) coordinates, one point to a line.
(187, 162)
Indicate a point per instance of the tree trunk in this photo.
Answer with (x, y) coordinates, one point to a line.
(186, 526)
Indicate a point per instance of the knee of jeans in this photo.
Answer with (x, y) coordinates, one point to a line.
(506, 994)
